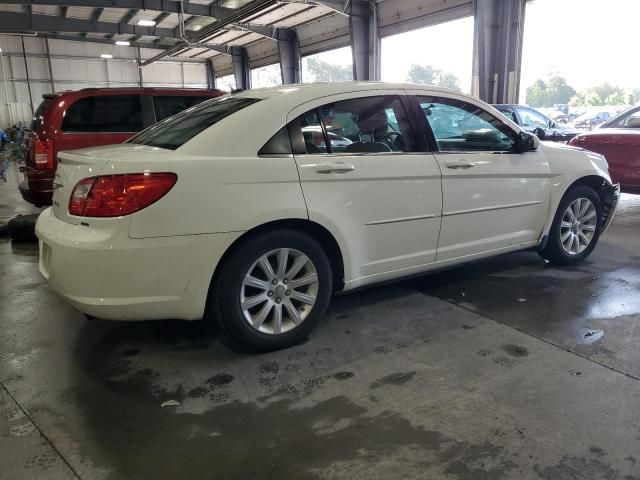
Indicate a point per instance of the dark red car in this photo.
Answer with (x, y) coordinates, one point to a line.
(619, 141)
(92, 117)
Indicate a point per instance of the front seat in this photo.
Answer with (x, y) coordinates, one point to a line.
(376, 125)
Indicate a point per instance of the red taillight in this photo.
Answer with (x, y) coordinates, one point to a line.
(116, 195)
(42, 153)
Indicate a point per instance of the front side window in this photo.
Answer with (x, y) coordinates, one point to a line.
(629, 119)
(359, 125)
(507, 112)
(532, 119)
(109, 113)
(175, 131)
(459, 126)
(167, 106)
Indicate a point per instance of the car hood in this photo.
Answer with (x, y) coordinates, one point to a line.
(606, 133)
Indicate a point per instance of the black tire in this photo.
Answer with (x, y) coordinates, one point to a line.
(23, 228)
(226, 291)
(553, 250)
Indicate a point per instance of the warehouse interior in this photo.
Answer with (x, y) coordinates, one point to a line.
(506, 368)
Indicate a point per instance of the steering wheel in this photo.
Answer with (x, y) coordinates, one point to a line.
(391, 138)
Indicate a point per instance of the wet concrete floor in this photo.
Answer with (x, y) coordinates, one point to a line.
(504, 369)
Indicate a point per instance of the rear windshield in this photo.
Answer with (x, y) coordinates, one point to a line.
(36, 122)
(179, 129)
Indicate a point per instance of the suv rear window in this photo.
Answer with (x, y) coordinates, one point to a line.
(177, 130)
(167, 106)
(109, 113)
(36, 122)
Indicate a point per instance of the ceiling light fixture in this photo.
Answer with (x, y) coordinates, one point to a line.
(106, 55)
(196, 28)
(123, 43)
(146, 23)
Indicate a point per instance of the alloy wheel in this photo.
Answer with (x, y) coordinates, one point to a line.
(279, 291)
(578, 226)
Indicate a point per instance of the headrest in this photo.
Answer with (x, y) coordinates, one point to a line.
(373, 122)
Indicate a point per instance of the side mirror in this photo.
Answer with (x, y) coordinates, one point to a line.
(526, 142)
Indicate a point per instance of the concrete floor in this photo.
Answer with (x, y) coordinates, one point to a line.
(507, 369)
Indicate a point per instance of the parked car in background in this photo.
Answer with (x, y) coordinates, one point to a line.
(92, 117)
(241, 208)
(533, 121)
(591, 119)
(619, 141)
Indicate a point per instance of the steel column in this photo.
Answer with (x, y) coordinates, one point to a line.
(240, 60)
(290, 61)
(139, 58)
(365, 41)
(26, 71)
(6, 91)
(51, 82)
(497, 53)
(211, 75)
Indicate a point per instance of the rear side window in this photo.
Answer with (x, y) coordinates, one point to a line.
(175, 131)
(111, 113)
(359, 125)
(167, 106)
(38, 116)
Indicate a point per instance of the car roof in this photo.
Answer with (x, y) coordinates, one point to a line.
(95, 91)
(320, 89)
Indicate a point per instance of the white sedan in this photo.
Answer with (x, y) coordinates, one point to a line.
(244, 208)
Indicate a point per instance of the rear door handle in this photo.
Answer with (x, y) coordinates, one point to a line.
(335, 168)
(459, 164)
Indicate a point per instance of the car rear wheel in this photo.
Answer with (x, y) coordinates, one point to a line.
(273, 290)
(576, 227)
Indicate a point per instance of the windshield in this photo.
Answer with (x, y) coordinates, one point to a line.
(627, 119)
(39, 113)
(175, 131)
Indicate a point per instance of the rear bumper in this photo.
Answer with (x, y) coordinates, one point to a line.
(37, 192)
(105, 274)
(611, 198)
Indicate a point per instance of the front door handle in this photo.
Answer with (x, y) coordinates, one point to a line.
(459, 164)
(335, 168)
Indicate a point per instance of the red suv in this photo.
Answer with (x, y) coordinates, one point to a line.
(92, 117)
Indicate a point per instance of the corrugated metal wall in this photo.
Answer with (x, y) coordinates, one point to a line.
(77, 65)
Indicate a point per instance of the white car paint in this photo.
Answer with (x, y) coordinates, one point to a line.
(392, 215)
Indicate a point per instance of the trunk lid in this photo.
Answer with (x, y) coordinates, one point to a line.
(76, 165)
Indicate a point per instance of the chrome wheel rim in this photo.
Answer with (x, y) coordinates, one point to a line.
(578, 226)
(279, 291)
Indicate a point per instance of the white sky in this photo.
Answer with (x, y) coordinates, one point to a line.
(447, 47)
(589, 42)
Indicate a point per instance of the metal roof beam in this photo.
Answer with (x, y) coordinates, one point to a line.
(12, 21)
(107, 41)
(164, 6)
(169, 6)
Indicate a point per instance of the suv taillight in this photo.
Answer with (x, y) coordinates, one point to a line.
(43, 153)
(117, 195)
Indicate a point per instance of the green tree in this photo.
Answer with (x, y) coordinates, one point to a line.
(547, 94)
(427, 75)
(605, 94)
(537, 94)
(329, 72)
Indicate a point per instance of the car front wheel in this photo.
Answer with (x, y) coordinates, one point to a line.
(273, 290)
(576, 227)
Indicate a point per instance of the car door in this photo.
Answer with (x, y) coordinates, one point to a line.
(493, 198)
(364, 179)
